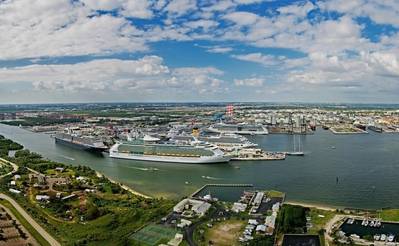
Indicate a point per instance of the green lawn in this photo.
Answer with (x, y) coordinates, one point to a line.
(318, 220)
(390, 214)
(25, 223)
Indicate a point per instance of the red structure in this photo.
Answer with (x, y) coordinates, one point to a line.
(229, 110)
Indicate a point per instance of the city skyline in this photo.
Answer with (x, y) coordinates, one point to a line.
(182, 50)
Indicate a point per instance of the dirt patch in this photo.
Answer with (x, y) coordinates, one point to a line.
(226, 233)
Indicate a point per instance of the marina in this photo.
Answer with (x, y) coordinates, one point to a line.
(371, 229)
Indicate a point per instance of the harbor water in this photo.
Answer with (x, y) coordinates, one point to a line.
(360, 170)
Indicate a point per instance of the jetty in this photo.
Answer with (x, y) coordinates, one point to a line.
(220, 185)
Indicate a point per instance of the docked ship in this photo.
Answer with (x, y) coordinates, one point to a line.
(222, 141)
(88, 143)
(242, 129)
(152, 149)
(375, 128)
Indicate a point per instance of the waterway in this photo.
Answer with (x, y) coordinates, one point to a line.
(360, 170)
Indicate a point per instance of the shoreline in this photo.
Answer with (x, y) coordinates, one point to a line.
(123, 186)
(313, 205)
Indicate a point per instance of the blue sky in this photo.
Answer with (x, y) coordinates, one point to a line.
(185, 50)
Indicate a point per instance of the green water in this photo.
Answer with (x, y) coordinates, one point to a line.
(367, 167)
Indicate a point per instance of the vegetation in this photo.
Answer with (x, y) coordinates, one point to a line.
(390, 214)
(319, 219)
(292, 219)
(41, 121)
(6, 145)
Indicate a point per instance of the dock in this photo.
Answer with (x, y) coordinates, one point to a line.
(220, 185)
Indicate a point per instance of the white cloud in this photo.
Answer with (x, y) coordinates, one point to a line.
(251, 82)
(219, 49)
(242, 18)
(62, 28)
(146, 73)
(266, 60)
(181, 7)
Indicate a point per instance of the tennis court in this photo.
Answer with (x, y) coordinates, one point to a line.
(153, 234)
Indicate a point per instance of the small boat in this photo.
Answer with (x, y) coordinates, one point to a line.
(372, 223)
(365, 222)
(383, 237)
(333, 147)
(377, 237)
(391, 238)
(296, 153)
(186, 182)
(377, 223)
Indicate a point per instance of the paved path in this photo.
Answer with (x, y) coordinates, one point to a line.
(24, 214)
(31, 221)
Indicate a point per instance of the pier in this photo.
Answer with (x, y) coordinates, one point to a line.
(220, 185)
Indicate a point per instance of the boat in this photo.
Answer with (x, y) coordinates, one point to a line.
(375, 128)
(377, 237)
(377, 223)
(242, 129)
(383, 237)
(371, 224)
(74, 140)
(296, 151)
(152, 149)
(391, 238)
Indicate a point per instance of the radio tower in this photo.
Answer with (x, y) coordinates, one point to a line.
(230, 111)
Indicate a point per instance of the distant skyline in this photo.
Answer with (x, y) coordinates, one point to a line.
(66, 51)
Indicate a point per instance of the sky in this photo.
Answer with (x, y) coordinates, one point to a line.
(335, 51)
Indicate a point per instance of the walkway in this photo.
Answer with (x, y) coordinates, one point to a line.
(52, 241)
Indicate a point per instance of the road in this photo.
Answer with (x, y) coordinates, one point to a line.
(52, 241)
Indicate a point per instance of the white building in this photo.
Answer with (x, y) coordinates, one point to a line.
(42, 198)
(198, 207)
(258, 198)
(15, 191)
(239, 207)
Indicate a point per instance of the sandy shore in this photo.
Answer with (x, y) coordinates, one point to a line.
(125, 187)
(310, 205)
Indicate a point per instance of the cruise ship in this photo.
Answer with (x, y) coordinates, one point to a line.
(80, 142)
(242, 129)
(151, 149)
(222, 140)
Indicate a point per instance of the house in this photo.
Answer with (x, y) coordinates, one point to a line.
(42, 198)
(253, 222)
(176, 240)
(260, 228)
(183, 223)
(239, 207)
(15, 191)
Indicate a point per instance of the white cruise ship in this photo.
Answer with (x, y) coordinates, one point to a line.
(242, 129)
(150, 149)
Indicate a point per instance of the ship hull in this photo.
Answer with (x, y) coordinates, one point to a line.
(78, 146)
(172, 159)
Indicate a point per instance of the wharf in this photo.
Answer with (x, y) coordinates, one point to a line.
(220, 185)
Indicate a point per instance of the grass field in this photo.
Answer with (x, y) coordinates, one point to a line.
(390, 214)
(25, 223)
(154, 234)
(225, 233)
(319, 219)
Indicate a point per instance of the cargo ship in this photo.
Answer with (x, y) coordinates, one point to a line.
(152, 149)
(80, 142)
